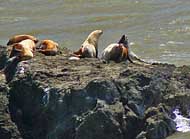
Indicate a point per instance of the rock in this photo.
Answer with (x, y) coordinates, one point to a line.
(142, 135)
(8, 129)
(3, 56)
(103, 90)
(54, 97)
(178, 91)
(133, 123)
(158, 124)
(102, 123)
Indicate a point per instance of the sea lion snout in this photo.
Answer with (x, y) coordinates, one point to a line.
(99, 32)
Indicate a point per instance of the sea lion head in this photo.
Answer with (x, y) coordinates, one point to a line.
(93, 37)
(124, 40)
(24, 53)
(97, 33)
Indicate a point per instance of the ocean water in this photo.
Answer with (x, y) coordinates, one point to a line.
(157, 29)
(180, 135)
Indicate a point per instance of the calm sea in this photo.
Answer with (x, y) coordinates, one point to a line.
(157, 29)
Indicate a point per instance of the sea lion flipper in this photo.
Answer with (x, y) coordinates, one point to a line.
(96, 53)
(79, 52)
(128, 57)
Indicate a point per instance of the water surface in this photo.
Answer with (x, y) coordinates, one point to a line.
(180, 136)
(158, 29)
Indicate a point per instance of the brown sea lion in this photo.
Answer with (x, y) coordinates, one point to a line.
(19, 52)
(117, 51)
(19, 38)
(24, 49)
(48, 47)
(89, 47)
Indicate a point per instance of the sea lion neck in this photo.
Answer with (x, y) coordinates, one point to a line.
(93, 38)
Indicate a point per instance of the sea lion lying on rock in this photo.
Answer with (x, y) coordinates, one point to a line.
(19, 38)
(89, 47)
(24, 49)
(48, 47)
(120, 51)
(18, 52)
(117, 51)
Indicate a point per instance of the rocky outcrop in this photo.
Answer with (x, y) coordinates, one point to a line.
(8, 129)
(55, 98)
(3, 56)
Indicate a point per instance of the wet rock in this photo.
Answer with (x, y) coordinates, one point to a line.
(158, 124)
(178, 92)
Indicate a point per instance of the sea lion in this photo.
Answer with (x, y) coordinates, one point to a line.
(18, 52)
(19, 38)
(24, 49)
(48, 47)
(89, 47)
(117, 51)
